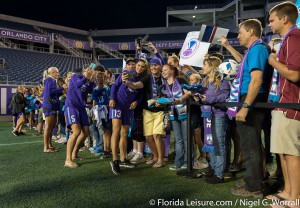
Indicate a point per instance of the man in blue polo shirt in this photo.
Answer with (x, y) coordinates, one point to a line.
(251, 85)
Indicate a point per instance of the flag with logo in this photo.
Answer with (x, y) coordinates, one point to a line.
(193, 51)
(211, 34)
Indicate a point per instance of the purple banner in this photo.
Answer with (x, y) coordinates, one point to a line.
(158, 44)
(14, 34)
(76, 43)
(235, 42)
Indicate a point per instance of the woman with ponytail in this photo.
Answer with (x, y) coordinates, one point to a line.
(76, 116)
(51, 94)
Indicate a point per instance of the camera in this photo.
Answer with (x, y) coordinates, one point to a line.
(140, 43)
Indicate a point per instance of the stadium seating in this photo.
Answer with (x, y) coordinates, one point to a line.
(112, 63)
(28, 66)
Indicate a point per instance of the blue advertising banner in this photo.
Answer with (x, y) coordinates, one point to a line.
(14, 34)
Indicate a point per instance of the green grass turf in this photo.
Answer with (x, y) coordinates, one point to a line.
(31, 178)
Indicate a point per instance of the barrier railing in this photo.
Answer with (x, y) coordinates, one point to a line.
(189, 172)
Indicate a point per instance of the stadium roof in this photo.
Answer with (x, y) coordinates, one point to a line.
(97, 14)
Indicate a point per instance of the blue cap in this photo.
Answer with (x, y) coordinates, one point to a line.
(155, 61)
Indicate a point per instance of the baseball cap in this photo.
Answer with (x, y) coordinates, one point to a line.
(155, 61)
(129, 60)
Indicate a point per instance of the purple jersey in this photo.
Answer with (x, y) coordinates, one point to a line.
(79, 88)
(122, 94)
(51, 94)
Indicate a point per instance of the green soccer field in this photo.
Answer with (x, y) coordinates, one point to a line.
(31, 178)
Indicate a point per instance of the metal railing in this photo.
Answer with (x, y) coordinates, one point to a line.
(114, 53)
(2, 62)
(8, 43)
(200, 6)
(3, 79)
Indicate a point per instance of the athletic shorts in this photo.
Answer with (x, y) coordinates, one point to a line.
(49, 112)
(121, 112)
(76, 116)
(285, 134)
(153, 123)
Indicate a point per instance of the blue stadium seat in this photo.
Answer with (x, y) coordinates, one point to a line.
(28, 66)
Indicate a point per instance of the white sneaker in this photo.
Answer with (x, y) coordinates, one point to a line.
(131, 154)
(200, 164)
(62, 140)
(138, 158)
(54, 138)
(92, 150)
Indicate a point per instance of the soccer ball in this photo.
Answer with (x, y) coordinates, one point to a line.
(229, 69)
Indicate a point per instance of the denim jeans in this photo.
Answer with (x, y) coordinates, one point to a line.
(97, 134)
(180, 136)
(251, 145)
(218, 158)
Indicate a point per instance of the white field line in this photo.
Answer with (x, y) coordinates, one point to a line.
(21, 143)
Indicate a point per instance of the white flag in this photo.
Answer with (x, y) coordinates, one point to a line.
(211, 34)
(193, 51)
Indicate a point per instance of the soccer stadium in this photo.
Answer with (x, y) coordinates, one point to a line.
(203, 112)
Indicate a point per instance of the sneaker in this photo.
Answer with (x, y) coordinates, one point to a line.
(115, 167)
(229, 174)
(174, 167)
(199, 165)
(184, 167)
(104, 155)
(84, 148)
(240, 184)
(62, 140)
(214, 180)
(131, 155)
(93, 150)
(16, 133)
(38, 134)
(243, 192)
(126, 164)
(22, 133)
(209, 174)
(234, 168)
(55, 138)
(138, 158)
(97, 150)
